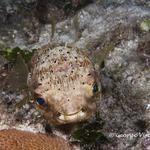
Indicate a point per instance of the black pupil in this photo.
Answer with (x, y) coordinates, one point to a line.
(40, 101)
(95, 87)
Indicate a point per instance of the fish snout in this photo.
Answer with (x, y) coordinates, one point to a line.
(75, 113)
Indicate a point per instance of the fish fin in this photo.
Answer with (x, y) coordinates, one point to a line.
(100, 48)
(53, 26)
(17, 77)
(76, 26)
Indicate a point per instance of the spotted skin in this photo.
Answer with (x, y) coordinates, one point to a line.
(12, 139)
(64, 77)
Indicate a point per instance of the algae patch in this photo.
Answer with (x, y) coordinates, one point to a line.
(89, 134)
(145, 25)
(11, 54)
(16, 71)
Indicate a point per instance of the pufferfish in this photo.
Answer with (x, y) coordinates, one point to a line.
(65, 84)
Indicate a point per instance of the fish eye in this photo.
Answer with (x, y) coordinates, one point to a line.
(40, 101)
(95, 88)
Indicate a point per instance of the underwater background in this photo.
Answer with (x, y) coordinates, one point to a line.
(115, 33)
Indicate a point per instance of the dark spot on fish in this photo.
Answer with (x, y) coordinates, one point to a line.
(83, 83)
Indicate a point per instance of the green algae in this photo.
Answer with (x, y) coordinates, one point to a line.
(89, 134)
(11, 54)
(145, 25)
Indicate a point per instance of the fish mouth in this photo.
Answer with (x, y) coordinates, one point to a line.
(78, 116)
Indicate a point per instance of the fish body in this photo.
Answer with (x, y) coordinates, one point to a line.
(13, 139)
(63, 80)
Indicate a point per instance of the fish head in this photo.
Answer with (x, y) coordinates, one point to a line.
(69, 94)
